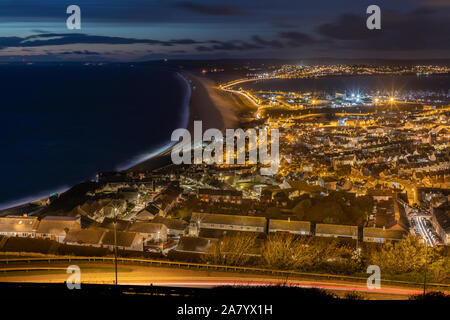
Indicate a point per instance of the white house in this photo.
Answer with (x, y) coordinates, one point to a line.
(16, 226)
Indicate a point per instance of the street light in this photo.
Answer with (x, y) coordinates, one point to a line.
(425, 276)
(115, 241)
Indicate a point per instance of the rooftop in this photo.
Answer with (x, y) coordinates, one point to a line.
(383, 233)
(124, 239)
(18, 224)
(85, 236)
(337, 229)
(58, 225)
(218, 192)
(175, 224)
(228, 219)
(442, 215)
(147, 227)
(108, 223)
(289, 225)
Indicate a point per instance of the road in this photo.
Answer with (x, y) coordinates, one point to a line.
(248, 96)
(160, 276)
(423, 230)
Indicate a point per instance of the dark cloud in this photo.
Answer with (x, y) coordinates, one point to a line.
(231, 45)
(348, 26)
(183, 41)
(10, 42)
(297, 39)
(39, 31)
(315, 27)
(203, 49)
(420, 29)
(51, 39)
(440, 4)
(267, 43)
(208, 9)
(79, 52)
(238, 45)
(283, 24)
(423, 11)
(57, 39)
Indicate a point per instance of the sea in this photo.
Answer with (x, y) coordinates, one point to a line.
(61, 124)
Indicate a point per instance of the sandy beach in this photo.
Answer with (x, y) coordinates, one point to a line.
(210, 105)
(215, 108)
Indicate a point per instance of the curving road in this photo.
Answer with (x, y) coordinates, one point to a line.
(160, 276)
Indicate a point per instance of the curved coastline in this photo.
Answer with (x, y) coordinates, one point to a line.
(167, 146)
(207, 105)
(7, 208)
(24, 201)
(202, 101)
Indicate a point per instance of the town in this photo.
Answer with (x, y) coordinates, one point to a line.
(358, 171)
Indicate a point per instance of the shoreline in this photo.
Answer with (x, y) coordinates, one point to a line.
(169, 145)
(206, 103)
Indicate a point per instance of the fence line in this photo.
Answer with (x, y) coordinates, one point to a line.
(204, 266)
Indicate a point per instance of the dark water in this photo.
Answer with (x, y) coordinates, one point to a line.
(60, 125)
(388, 83)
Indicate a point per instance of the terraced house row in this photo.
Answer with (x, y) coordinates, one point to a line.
(77, 230)
(209, 225)
(140, 236)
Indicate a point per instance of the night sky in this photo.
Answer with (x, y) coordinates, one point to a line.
(128, 30)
